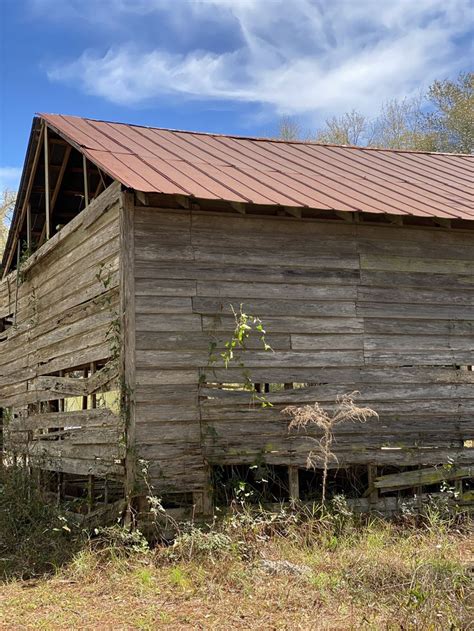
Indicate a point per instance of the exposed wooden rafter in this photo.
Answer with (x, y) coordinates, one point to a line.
(239, 207)
(26, 201)
(86, 180)
(294, 212)
(142, 197)
(28, 226)
(397, 220)
(187, 202)
(100, 185)
(444, 223)
(59, 181)
(346, 216)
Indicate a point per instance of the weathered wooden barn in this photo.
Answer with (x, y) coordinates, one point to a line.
(130, 246)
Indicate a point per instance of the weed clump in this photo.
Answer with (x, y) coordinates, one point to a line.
(35, 536)
(120, 539)
(196, 544)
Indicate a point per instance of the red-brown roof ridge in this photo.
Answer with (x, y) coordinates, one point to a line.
(258, 138)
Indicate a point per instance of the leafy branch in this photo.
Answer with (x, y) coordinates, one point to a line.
(245, 325)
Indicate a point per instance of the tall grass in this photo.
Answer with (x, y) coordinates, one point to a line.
(328, 569)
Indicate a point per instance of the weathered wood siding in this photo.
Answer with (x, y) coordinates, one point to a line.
(388, 311)
(63, 305)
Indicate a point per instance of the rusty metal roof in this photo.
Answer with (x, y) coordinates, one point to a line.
(275, 172)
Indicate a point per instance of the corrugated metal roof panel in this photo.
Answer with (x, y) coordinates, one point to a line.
(266, 171)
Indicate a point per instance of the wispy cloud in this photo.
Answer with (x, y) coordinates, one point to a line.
(9, 178)
(292, 56)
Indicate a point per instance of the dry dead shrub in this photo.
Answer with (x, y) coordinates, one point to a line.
(303, 417)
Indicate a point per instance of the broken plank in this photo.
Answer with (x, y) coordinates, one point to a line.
(421, 477)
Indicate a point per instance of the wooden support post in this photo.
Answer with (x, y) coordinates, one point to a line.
(418, 492)
(93, 396)
(86, 181)
(60, 476)
(208, 503)
(127, 309)
(47, 198)
(106, 490)
(198, 502)
(293, 472)
(294, 483)
(85, 399)
(18, 259)
(61, 401)
(60, 487)
(458, 489)
(90, 493)
(90, 478)
(372, 491)
(202, 501)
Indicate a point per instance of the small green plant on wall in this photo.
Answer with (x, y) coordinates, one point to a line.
(245, 325)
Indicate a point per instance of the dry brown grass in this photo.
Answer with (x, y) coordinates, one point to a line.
(373, 576)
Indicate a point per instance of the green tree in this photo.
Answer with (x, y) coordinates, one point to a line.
(440, 120)
(348, 129)
(401, 124)
(451, 119)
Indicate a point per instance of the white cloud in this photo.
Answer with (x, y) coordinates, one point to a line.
(293, 56)
(9, 178)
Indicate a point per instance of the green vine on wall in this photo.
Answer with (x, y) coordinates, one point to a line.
(25, 254)
(114, 333)
(113, 337)
(235, 347)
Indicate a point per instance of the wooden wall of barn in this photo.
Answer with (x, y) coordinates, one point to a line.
(385, 310)
(58, 313)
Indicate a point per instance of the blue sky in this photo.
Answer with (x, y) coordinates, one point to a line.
(234, 66)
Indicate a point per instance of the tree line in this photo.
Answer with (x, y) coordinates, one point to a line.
(442, 119)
